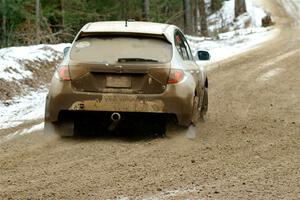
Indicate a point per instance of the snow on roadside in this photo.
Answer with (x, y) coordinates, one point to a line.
(231, 43)
(225, 17)
(21, 132)
(22, 109)
(12, 58)
(30, 106)
(243, 33)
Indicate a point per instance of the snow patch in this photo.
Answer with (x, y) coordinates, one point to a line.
(231, 43)
(25, 131)
(243, 33)
(12, 68)
(270, 74)
(167, 194)
(12, 59)
(256, 13)
(171, 193)
(224, 19)
(21, 109)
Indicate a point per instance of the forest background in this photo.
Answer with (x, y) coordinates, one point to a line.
(25, 22)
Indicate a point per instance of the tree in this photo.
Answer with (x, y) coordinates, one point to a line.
(240, 7)
(146, 10)
(62, 9)
(42, 21)
(4, 31)
(215, 5)
(187, 17)
(203, 18)
(37, 20)
(195, 9)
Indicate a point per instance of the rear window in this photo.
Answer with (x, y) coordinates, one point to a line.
(112, 49)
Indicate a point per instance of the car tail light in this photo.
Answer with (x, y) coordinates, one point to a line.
(63, 73)
(175, 76)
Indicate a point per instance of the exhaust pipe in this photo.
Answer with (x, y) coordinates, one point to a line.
(115, 117)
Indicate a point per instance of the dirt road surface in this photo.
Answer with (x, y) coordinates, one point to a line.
(248, 149)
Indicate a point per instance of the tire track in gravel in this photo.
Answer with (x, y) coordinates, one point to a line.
(248, 149)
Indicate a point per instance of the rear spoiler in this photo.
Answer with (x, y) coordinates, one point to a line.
(83, 34)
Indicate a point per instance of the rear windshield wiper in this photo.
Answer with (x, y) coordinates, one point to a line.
(136, 60)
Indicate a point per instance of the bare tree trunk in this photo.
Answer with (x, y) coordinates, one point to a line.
(4, 31)
(240, 7)
(37, 20)
(195, 13)
(203, 18)
(146, 6)
(187, 17)
(192, 4)
(215, 5)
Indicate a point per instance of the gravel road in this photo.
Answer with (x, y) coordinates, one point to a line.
(248, 149)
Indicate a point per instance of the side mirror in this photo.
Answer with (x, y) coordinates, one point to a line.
(203, 55)
(66, 50)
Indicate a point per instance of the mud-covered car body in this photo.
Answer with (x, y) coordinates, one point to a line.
(126, 67)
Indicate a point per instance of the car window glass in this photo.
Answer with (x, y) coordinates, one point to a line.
(181, 46)
(112, 48)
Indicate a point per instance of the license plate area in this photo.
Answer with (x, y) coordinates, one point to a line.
(118, 81)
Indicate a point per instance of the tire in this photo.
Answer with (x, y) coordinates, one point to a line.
(196, 111)
(204, 106)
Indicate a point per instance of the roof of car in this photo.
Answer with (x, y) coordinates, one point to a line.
(132, 27)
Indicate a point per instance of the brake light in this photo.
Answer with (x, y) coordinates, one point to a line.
(63, 73)
(175, 76)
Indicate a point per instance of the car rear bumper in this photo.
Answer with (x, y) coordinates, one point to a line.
(176, 99)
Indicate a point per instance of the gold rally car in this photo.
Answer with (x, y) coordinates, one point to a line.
(119, 71)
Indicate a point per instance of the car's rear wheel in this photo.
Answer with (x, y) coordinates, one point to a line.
(204, 106)
(196, 111)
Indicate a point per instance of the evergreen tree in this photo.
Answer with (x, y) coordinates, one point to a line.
(43, 21)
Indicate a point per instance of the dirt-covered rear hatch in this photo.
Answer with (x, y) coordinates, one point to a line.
(120, 64)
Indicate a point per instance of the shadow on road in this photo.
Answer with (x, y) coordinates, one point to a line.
(133, 132)
(124, 131)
